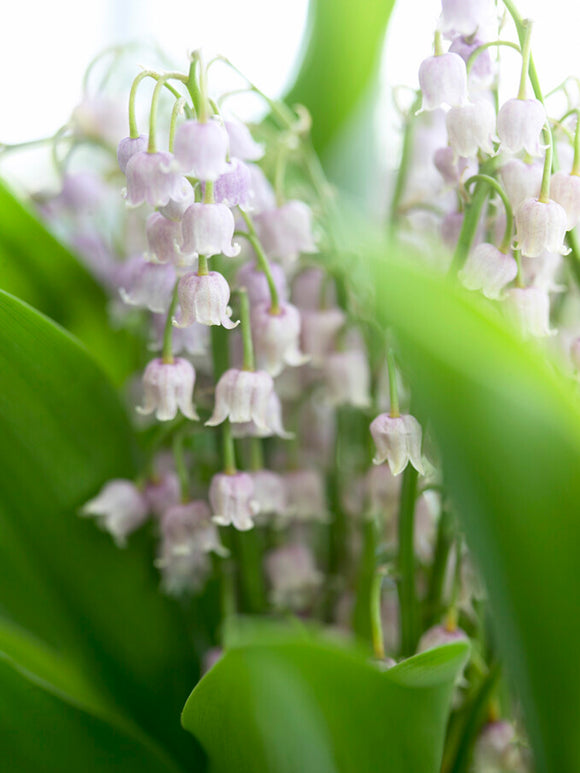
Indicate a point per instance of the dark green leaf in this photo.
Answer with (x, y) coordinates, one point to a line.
(306, 704)
(508, 426)
(63, 433)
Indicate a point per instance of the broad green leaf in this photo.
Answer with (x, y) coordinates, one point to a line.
(38, 269)
(508, 427)
(344, 42)
(308, 704)
(53, 720)
(63, 433)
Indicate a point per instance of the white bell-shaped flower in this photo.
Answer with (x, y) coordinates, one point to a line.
(565, 189)
(276, 337)
(232, 500)
(205, 299)
(293, 577)
(168, 388)
(347, 378)
(163, 237)
(443, 81)
(398, 442)
(540, 227)
(519, 125)
(489, 270)
(529, 307)
(242, 144)
(120, 507)
(470, 128)
(286, 232)
(153, 178)
(201, 149)
(150, 286)
(465, 17)
(128, 147)
(521, 181)
(242, 396)
(208, 229)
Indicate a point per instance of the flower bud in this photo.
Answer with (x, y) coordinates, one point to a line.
(127, 149)
(150, 286)
(201, 149)
(208, 229)
(293, 577)
(530, 309)
(540, 226)
(496, 749)
(233, 188)
(153, 178)
(242, 144)
(163, 236)
(276, 337)
(489, 270)
(168, 387)
(398, 442)
(519, 125)
(482, 69)
(470, 128)
(443, 81)
(439, 635)
(565, 190)
(120, 507)
(521, 181)
(242, 396)
(204, 298)
(287, 231)
(232, 500)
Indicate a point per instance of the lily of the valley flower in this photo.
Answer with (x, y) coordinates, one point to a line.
(398, 442)
(242, 396)
(540, 227)
(120, 507)
(205, 299)
(208, 229)
(232, 500)
(201, 149)
(168, 388)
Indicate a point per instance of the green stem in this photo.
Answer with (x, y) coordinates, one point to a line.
(167, 350)
(406, 565)
(406, 155)
(376, 619)
(263, 262)
(161, 82)
(547, 173)
(228, 449)
(509, 215)
(438, 43)
(208, 197)
(249, 554)
(177, 110)
(443, 545)
(576, 162)
(249, 361)
(202, 266)
(469, 226)
(526, 52)
(393, 392)
(256, 454)
(480, 49)
(133, 129)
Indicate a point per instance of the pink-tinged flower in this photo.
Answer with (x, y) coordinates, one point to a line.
(443, 81)
(276, 337)
(306, 496)
(168, 387)
(470, 128)
(233, 188)
(519, 125)
(269, 492)
(565, 190)
(163, 237)
(542, 272)
(310, 287)
(82, 192)
(150, 286)
(449, 166)
(162, 493)
(293, 577)
(287, 231)
(183, 573)
(242, 396)
(465, 17)
(255, 282)
(204, 298)
(242, 144)
(540, 227)
(489, 270)
(188, 527)
(201, 149)
(347, 378)
(176, 207)
(482, 69)
(273, 425)
(451, 228)
(194, 339)
(530, 309)
(232, 500)
(497, 749)
(439, 635)
(319, 330)
(521, 181)
(208, 229)
(262, 196)
(120, 507)
(153, 178)
(398, 442)
(128, 147)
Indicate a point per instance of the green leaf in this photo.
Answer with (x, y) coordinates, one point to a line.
(508, 427)
(63, 434)
(307, 704)
(40, 270)
(53, 719)
(344, 43)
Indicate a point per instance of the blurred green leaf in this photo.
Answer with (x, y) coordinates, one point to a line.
(307, 704)
(40, 270)
(508, 426)
(74, 728)
(343, 49)
(63, 433)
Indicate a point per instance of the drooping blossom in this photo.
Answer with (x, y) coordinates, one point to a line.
(168, 388)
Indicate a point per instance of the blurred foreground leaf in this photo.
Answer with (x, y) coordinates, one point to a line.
(40, 270)
(63, 433)
(298, 704)
(508, 427)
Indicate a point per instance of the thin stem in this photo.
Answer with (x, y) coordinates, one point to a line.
(202, 266)
(443, 545)
(547, 173)
(484, 46)
(526, 52)
(509, 215)
(249, 361)
(208, 197)
(263, 262)
(376, 619)
(256, 454)
(228, 449)
(406, 564)
(406, 155)
(167, 350)
(393, 391)
(133, 129)
(576, 162)
(161, 82)
(438, 43)
(177, 110)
